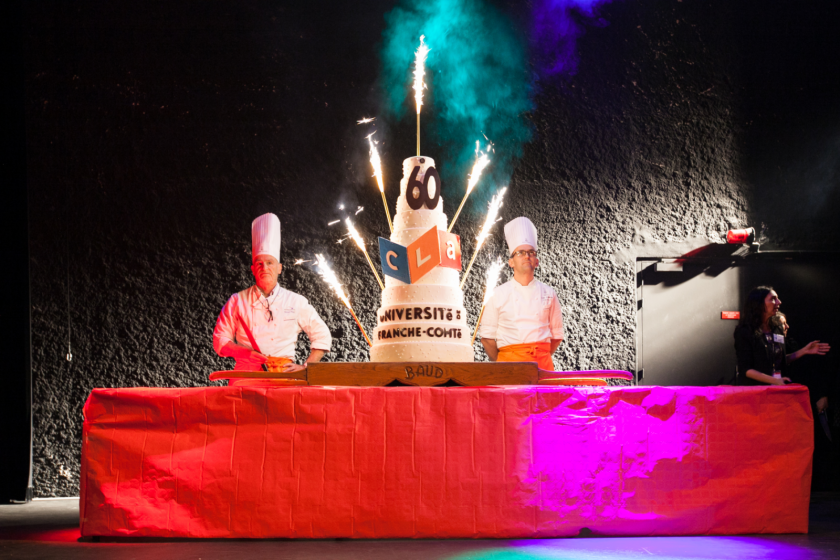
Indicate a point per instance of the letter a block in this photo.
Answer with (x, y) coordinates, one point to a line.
(394, 260)
(424, 254)
(450, 250)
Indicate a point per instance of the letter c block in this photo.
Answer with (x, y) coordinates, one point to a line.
(424, 254)
(394, 260)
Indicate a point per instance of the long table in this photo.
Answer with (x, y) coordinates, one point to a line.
(445, 462)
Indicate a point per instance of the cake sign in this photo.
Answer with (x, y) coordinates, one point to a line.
(410, 264)
(417, 193)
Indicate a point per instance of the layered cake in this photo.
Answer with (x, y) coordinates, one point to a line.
(422, 318)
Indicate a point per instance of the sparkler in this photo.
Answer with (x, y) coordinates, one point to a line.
(366, 120)
(333, 222)
(377, 172)
(492, 214)
(330, 278)
(419, 86)
(492, 279)
(479, 166)
(351, 230)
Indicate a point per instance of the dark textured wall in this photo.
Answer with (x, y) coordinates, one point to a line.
(157, 131)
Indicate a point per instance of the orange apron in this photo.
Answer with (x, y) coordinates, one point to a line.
(539, 352)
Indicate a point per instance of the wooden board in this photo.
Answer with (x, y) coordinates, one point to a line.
(434, 373)
(573, 381)
(588, 374)
(239, 374)
(422, 374)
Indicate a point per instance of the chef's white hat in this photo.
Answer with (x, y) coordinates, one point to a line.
(265, 236)
(520, 231)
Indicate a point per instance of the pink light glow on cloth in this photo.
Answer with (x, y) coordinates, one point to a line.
(389, 462)
(694, 443)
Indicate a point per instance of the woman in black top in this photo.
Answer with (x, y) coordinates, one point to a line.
(761, 352)
(761, 356)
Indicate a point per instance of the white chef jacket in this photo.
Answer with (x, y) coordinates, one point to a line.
(276, 337)
(518, 314)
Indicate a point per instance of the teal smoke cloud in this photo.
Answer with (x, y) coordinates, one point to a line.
(478, 80)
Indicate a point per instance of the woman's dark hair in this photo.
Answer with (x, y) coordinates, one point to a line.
(753, 314)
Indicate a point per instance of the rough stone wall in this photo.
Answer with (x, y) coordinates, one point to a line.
(156, 133)
(638, 147)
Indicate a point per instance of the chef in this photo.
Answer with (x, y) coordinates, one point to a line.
(265, 319)
(522, 321)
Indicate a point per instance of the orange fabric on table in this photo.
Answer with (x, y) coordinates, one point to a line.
(445, 462)
(539, 352)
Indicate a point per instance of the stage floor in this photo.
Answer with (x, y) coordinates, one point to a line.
(50, 529)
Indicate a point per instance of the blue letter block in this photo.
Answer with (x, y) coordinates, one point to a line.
(394, 260)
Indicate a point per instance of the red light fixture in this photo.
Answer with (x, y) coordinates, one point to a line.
(735, 236)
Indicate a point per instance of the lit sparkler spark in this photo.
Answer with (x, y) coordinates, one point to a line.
(480, 163)
(376, 163)
(359, 209)
(419, 72)
(492, 276)
(341, 207)
(300, 262)
(351, 230)
(489, 221)
(331, 279)
(491, 147)
(366, 120)
(492, 215)
(377, 172)
(333, 222)
(419, 86)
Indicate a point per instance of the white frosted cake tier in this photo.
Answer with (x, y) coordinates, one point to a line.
(424, 321)
(421, 294)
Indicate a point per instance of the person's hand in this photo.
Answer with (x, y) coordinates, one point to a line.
(781, 380)
(241, 353)
(257, 357)
(816, 347)
(290, 368)
(822, 404)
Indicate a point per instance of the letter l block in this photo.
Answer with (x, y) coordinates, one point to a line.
(424, 254)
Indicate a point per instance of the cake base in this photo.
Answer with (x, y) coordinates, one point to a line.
(424, 351)
(423, 374)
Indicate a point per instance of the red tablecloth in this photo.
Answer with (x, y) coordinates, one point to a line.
(376, 462)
